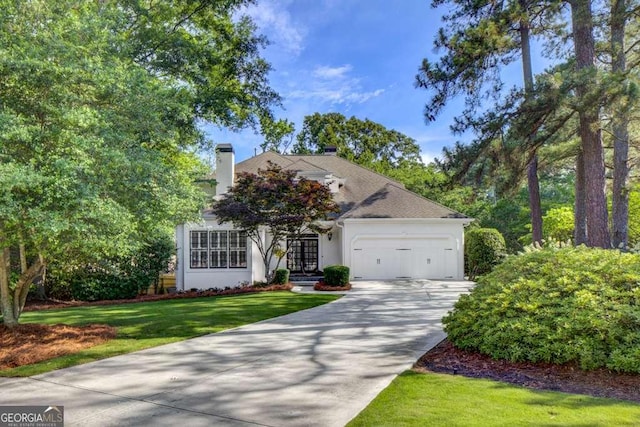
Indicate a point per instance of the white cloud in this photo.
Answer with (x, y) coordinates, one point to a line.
(275, 22)
(325, 72)
(333, 85)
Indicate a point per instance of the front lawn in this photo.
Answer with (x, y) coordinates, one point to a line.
(416, 399)
(149, 324)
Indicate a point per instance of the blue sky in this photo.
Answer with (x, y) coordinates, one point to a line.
(355, 57)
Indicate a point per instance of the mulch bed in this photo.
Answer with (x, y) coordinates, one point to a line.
(28, 343)
(49, 304)
(321, 286)
(446, 358)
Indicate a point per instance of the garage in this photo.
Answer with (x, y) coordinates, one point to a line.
(390, 258)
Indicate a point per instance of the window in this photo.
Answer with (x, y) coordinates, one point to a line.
(219, 249)
(218, 254)
(199, 246)
(237, 249)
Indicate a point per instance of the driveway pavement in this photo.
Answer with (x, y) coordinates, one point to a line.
(318, 367)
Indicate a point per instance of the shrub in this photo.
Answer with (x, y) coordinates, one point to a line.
(558, 224)
(96, 285)
(555, 305)
(336, 275)
(281, 276)
(111, 278)
(483, 249)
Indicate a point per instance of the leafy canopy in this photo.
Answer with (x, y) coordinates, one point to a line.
(99, 110)
(364, 142)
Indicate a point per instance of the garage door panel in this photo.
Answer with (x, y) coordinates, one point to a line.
(388, 258)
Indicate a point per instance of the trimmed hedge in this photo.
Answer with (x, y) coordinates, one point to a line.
(336, 275)
(484, 248)
(281, 276)
(556, 305)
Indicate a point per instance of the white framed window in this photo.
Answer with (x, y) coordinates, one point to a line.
(218, 249)
(199, 249)
(237, 249)
(218, 254)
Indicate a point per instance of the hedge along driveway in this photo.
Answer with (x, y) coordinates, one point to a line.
(149, 324)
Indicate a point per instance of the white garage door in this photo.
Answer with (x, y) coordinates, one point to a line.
(383, 258)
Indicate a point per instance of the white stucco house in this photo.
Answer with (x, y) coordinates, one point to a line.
(383, 231)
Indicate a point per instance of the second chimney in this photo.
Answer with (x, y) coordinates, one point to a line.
(225, 168)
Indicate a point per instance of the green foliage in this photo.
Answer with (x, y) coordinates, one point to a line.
(511, 218)
(111, 278)
(364, 142)
(281, 276)
(634, 215)
(100, 119)
(557, 305)
(336, 275)
(484, 248)
(97, 285)
(557, 224)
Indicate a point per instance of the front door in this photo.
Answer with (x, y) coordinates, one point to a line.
(302, 254)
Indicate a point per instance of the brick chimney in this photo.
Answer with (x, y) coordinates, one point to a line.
(225, 168)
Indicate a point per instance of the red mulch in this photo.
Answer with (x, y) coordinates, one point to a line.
(31, 343)
(567, 378)
(321, 286)
(44, 305)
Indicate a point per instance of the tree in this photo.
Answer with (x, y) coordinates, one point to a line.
(590, 163)
(99, 111)
(278, 202)
(479, 40)
(364, 142)
(621, 13)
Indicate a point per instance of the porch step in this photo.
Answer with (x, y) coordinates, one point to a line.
(305, 278)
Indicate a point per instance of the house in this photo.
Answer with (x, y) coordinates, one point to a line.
(383, 231)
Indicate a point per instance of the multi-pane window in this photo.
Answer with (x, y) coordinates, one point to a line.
(237, 249)
(199, 249)
(218, 254)
(219, 249)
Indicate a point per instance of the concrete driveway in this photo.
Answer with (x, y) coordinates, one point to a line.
(318, 367)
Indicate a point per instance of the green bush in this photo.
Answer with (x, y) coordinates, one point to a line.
(99, 285)
(281, 276)
(111, 278)
(555, 305)
(558, 224)
(484, 248)
(336, 275)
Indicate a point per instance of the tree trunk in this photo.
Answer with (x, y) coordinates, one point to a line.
(25, 280)
(620, 211)
(580, 214)
(532, 168)
(6, 300)
(589, 129)
(534, 200)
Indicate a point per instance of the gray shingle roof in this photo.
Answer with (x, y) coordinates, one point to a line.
(365, 193)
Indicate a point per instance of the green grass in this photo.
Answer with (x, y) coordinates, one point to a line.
(415, 399)
(149, 324)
